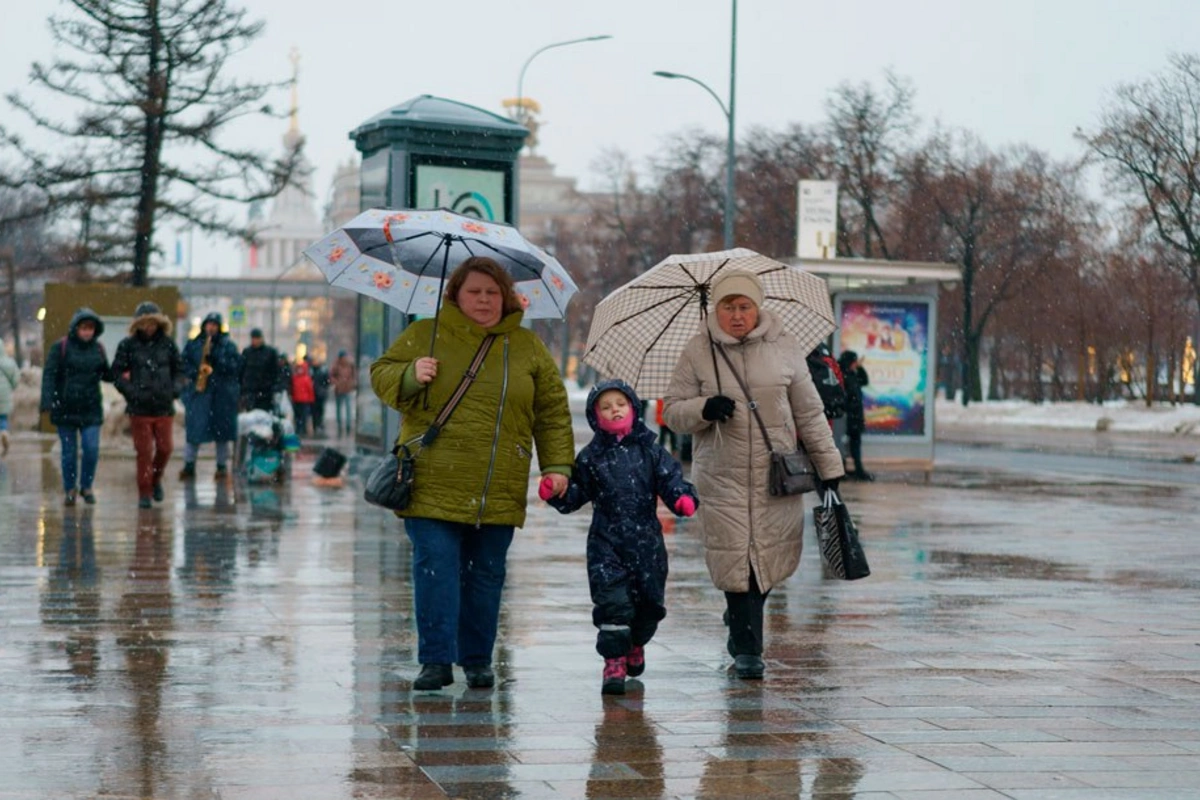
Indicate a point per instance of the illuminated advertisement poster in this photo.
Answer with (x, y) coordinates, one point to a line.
(471, 192)
(891, 338)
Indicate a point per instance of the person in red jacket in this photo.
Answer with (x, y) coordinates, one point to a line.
(303, 395)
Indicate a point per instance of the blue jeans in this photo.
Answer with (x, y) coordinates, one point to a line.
(342, 407)
(458, 575)
(70, 439)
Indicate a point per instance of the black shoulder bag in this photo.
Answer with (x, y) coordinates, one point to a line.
(791, 473)
(390, 484)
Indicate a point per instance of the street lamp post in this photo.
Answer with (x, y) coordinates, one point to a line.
(728, 111)
(521, 115)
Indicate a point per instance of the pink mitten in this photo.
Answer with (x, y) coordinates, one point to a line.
(685, 506)
(546, 488)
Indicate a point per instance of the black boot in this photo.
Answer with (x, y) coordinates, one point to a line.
(433, 677)
(479, 676)
(749, 668)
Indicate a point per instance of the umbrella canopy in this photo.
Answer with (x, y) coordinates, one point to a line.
(403, 257)
(639, 331)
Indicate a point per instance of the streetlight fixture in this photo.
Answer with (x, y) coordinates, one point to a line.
(728, 111)
(521, 115)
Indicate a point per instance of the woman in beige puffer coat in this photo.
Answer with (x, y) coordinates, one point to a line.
(751, 539)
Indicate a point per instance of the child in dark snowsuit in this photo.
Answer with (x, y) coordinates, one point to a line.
(622, 472)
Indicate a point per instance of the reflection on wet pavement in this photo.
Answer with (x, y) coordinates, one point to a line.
(1029, 641)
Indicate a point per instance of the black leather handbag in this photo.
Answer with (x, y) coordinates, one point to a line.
(390, 484)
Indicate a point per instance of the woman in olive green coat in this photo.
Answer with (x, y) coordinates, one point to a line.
(471, 483)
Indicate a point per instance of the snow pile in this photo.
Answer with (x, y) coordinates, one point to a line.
(1119, 416)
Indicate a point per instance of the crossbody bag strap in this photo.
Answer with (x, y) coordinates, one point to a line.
(468, 378)
(749, 400)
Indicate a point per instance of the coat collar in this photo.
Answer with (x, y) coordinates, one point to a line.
(452, 316)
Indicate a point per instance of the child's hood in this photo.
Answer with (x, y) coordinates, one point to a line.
(635, 404)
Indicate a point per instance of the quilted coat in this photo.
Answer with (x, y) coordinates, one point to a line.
(623, 480)
(72, 376)
(477, 470)
(742, 525)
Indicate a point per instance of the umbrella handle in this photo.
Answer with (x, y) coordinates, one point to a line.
(436, 309)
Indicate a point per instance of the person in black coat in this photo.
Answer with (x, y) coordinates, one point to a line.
(148, 372)
(855, 378)
(75, 366)
(260, 377)
(622, 472)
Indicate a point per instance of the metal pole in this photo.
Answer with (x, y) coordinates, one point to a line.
(730, 187)
(521, 116)
(730, 212)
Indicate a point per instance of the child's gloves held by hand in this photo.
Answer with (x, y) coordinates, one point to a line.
(685, 506)
(546, 488)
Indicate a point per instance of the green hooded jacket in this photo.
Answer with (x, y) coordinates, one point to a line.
(477, 470)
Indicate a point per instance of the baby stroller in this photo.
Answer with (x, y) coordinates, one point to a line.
(265, 443)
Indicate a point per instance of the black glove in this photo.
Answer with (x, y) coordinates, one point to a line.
(824, 486)
(718, 408)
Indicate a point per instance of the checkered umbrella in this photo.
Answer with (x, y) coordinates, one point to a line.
(639, 331)
(403, 257)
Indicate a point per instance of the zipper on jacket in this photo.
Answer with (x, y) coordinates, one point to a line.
(750, 472)
(487, 482)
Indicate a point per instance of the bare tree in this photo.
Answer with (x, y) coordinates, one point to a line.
(772, 164)
(1149, 139)
(151, 82)
(868, 128)
(997, 213)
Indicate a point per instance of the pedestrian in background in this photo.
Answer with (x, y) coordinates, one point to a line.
(302, 394)
(320, 379)
(462, 515)
(622, 472)
(752, 539)
(211, 366)
(344, 375)
(148, 372)
(75, 366)
(855, 377)
(10, 375)
(259, 379)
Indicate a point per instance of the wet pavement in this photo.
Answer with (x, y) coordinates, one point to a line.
(1026, 634)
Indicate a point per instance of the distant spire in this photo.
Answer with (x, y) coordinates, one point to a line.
(294, 113)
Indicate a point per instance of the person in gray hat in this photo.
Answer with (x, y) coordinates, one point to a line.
(147, 372)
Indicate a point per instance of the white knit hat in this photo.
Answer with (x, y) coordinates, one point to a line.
(738, 282)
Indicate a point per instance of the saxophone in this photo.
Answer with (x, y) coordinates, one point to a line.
(205, 367)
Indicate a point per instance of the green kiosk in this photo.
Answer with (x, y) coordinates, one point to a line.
(428, 152)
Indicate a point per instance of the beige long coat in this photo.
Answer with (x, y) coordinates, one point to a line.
(742, 525)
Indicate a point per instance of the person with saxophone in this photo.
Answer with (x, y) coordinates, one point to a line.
(211, 365)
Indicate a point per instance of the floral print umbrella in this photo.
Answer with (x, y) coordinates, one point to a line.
(403, 257)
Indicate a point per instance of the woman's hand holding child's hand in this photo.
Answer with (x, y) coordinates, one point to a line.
(553, 485)
(685, 506)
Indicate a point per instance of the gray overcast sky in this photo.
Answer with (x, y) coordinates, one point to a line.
(1013, 71)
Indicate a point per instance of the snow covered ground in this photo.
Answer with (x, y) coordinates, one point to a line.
(1119, 416)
